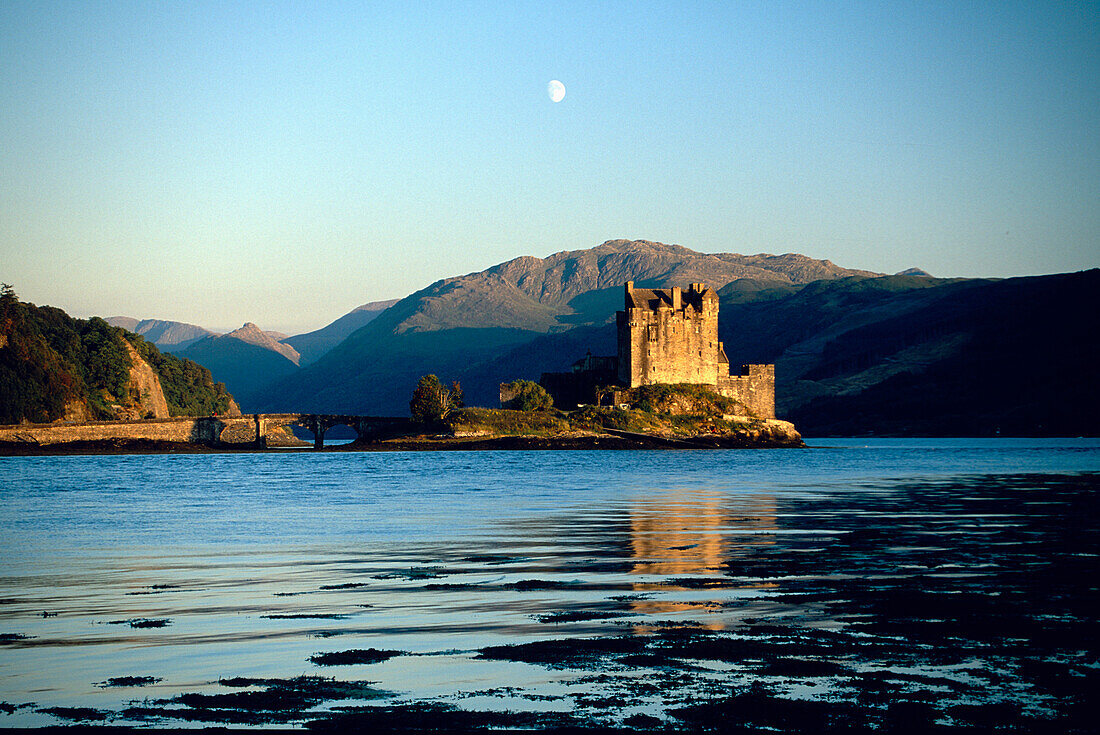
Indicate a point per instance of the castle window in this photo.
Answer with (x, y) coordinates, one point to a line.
(653, 333)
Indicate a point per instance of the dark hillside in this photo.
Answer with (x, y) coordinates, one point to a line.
(763, 330)
(1016, 357)
(241, 366)
(376, 373)
(312, 345)
(546, 353)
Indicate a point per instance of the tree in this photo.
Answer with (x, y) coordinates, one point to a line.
(457, 397)
(528, 395)
(431, 402)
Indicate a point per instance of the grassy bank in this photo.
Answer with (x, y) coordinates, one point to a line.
(605, 420)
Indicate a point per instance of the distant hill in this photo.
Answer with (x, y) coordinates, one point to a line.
(312, 345)
(245, 360)
(53, 367)
(457, 324)
(167, 335)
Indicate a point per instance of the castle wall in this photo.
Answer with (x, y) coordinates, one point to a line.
(754, 387)
(669, 345)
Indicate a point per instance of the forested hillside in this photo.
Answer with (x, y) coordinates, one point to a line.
(53, 366)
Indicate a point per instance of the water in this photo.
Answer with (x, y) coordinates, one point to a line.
(955, 579)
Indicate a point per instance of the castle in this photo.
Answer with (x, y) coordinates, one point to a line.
(667, 336)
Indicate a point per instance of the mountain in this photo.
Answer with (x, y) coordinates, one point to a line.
(245, 359)
(255, 336)
(312, 345)
(457, 324)
(53, 367)
(578, 287)
(167, 335)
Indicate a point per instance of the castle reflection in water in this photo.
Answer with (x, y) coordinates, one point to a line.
(685, 547)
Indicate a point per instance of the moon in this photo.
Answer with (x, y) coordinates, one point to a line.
(556, 90)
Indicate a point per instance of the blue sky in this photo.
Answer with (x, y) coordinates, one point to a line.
(282, 163)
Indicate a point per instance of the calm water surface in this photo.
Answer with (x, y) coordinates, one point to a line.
(951, 580)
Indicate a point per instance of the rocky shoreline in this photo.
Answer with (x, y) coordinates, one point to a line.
(775, 434)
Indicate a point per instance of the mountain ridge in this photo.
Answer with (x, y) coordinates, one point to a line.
(501, 307)
(166, 335)
(253, 335)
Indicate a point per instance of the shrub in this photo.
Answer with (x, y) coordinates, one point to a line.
(528, 395)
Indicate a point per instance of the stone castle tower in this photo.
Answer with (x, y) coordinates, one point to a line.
(671, 336)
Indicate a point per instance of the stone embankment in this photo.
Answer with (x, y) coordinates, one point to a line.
(200, 430)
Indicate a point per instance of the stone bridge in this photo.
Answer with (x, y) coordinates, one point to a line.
(365, 427)
(249, 430)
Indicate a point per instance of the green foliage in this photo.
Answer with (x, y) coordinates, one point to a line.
(106, 361)
(35, 382)
(683, 398)
(431, 402)
(502, 421)
(49, 360)
(528, 396)
(594, 418)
